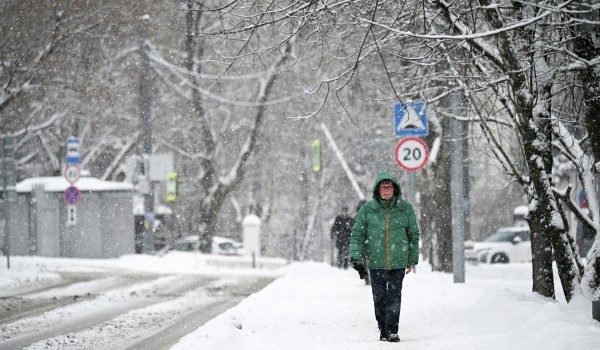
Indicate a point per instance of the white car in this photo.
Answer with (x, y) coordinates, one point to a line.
(507, 245)
(191, 243)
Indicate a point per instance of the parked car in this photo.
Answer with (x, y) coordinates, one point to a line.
(507, 245)
(191, 243)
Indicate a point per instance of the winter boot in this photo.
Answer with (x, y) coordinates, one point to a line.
(394, 338)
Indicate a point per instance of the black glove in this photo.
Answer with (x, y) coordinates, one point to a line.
(362, 272)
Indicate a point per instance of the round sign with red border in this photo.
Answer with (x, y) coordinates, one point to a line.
(72, 195)
(412, 154)
(72, 173)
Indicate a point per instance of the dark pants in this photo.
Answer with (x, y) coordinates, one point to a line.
(387, 297)
(343, 252)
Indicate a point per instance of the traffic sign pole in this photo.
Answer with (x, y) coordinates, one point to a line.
(9, 181)
(72, 174)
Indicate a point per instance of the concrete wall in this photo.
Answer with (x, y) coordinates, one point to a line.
(104, 227)
(19, 221)
(84, 239)
(119, 237)
(44, 238)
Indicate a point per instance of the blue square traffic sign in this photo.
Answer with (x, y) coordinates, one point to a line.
(410, 119)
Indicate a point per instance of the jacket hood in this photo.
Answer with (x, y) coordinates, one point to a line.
(386, 175)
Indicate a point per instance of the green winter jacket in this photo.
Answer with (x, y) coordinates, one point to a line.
(386, 233)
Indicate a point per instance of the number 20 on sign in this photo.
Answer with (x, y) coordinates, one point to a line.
(412, 154)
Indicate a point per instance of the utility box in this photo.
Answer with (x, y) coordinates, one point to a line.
(251, 227)
(102, 228)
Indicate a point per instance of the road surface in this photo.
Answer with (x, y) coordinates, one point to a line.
(116, 309)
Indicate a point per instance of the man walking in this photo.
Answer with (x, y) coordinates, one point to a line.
(387, 234)
(340, 234)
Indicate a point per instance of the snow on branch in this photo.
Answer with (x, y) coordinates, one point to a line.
(236, 172)
(584, 163)
(181, 151)
(49, 152)
(133, 139)
(35, 128)
(181, 74)
(466, 33)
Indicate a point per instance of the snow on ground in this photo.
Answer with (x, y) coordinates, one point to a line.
(315, 306)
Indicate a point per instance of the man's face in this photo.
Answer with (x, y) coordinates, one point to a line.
(386, 190)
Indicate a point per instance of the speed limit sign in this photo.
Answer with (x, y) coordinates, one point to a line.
(412, 154)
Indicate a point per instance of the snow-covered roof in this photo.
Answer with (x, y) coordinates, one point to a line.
(251, 220)
(59, 184)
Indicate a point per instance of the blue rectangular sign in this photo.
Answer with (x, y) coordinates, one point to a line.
(73, 144)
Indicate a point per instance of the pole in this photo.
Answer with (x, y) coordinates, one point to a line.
(457, 193)
(9, 182)
(466, 181)
(412, 192)
(294, 247)
(146, 126)
(4, 196)
(320, 250)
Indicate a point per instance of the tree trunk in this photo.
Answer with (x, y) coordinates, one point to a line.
(590, 78)
(542, 276)
(546, 221)
(545, 218)
(436, 216)
(543, 279)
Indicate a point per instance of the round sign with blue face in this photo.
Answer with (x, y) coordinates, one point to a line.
(72, 195)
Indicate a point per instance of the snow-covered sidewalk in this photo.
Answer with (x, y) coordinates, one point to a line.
(315, 306)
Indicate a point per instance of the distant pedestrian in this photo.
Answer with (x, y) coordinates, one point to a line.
(387, 234)
(340, 235)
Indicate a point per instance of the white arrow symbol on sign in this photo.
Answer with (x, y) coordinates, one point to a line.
(71, 215)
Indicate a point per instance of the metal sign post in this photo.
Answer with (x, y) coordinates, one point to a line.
(457, 194)
(412, 153)
(72, 173)
(9, 182)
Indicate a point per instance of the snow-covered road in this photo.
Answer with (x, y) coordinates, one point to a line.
(115, 309)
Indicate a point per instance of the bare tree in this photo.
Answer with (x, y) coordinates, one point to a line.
(218, 179)
(26, 73)
(517, 54)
